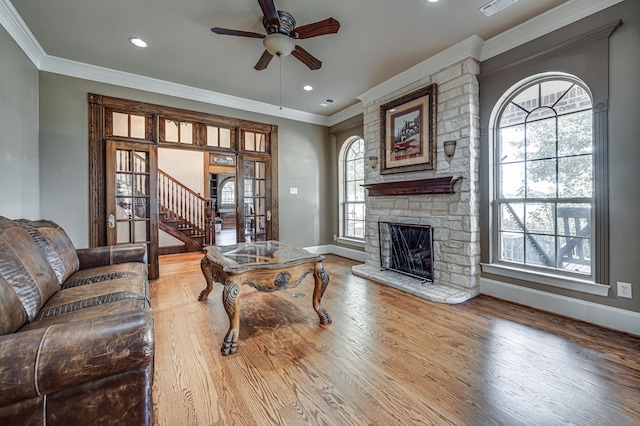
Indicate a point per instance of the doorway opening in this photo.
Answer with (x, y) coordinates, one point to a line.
(210, 170)
(196, 199)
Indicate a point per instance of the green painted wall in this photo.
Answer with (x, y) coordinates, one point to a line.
(19, 192)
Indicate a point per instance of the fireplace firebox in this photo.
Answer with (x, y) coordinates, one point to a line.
(407, 249)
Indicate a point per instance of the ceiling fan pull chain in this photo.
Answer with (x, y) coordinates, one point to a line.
(280, 61)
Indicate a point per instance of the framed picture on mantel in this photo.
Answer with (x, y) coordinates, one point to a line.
(408, 132)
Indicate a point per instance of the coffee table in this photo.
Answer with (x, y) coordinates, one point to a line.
(267, 266)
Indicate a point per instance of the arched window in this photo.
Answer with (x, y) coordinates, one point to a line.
(544, 204)
(228, 192)
(352, 192)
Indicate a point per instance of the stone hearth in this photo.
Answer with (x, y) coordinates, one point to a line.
(418, 287)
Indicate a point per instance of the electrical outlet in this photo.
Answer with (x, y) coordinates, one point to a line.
(624, 290)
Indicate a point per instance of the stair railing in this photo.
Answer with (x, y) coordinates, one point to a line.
(532, 240)
(185, 207)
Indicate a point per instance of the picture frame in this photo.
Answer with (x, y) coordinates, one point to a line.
(408, 132)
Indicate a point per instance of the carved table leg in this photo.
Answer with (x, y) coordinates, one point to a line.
(321, 277)
(231, 302)
(207, 271)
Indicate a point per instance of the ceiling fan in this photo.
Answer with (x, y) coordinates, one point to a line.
(281, 31)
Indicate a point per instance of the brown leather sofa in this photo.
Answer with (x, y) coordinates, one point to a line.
(76, 330)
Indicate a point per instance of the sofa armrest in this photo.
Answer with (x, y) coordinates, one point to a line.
(111, 255)
(43, 361)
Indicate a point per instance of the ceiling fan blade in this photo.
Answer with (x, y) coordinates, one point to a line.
(264, 60)
(328, 26)
(270, 13)
(225, 31)
(306, 58)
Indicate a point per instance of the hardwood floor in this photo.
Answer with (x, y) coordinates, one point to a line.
(388, 358)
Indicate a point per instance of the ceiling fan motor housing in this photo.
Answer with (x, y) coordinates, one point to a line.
(287, 25)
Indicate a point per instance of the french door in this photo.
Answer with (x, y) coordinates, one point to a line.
(131, 197)
(255, 212)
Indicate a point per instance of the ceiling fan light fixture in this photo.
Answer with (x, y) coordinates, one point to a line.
(278, 44)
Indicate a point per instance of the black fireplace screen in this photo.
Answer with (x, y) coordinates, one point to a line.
(407, 249)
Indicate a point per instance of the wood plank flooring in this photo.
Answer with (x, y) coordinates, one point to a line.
(388, 358)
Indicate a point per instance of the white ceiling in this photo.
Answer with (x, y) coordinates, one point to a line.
(378, 39)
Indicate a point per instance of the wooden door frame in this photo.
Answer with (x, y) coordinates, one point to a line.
(98, 104)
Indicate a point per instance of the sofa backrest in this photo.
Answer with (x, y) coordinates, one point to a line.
(55, 245)
(12, 313)
(24, 267)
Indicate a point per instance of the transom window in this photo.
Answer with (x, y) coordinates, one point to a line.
(544, 184)
(177, 131)
(353, 205)
(128, 125)
(256, 142)
(218, 137)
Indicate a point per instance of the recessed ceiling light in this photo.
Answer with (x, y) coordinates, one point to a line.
(432, 1)
(138, 42)
(308, 88)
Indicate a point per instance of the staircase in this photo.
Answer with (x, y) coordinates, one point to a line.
(184, 214)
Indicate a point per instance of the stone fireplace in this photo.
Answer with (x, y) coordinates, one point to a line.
(450, 202)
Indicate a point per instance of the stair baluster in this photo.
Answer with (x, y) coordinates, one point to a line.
(189, 212)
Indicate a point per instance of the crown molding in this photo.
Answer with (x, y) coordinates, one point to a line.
(12, 22)
(469, 47)
(345, 114)
(543, 24)
(134, 81)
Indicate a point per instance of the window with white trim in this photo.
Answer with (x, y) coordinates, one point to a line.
(544, 204)
(352, 179)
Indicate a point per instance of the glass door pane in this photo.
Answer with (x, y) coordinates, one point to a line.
(133, 218)
(256, 200)
(131, 196)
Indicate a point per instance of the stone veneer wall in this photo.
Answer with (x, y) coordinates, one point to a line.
(454, 217)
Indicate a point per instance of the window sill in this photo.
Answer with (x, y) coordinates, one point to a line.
(350, 242)
(574, 284)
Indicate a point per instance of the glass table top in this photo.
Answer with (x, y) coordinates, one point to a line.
(257, 254)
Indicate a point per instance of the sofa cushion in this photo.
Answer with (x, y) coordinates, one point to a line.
(114, 308)
(121, 277)
(55, 245)
(132, 286)
(25, 268)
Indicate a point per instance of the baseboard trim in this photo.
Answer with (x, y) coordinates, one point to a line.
(605, 316)
(349, 253)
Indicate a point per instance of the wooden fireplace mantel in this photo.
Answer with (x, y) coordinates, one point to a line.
(439, 185)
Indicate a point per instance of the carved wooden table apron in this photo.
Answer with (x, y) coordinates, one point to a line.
(266, 266)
